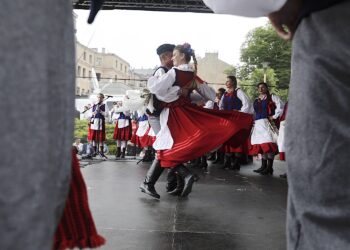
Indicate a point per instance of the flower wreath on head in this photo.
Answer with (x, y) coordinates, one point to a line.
(188, 49)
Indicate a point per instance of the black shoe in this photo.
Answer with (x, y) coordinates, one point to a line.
(150, 190)
(103, 156)
(269, 169)
(212, 157)
(263, 166)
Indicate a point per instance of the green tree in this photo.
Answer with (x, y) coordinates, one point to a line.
(250, 85)
(263, 45)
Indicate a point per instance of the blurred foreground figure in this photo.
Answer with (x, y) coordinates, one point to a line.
(318, 126)
(37, 94)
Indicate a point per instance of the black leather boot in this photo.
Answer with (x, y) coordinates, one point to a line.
(187, 177)
(269, 169)
(203, 164)
(236, 164)
(153, 174)
(171, 180)
(212, 156)
(179, 186)
(123, 153)
(219, 157)
(118, 152)
(263, 166)
(227, 161)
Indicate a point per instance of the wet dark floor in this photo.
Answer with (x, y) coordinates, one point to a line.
(226, 209)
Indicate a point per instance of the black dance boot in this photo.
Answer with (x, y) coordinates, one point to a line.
(179, 186)
(236, 163)
(171, 180)
(153, 174)
(123, 153)
(263, 166)
(118, 152)
(203, 164)
(227, 161)
(219, 157)
(212, 156)
(187, 177)
(269, 169)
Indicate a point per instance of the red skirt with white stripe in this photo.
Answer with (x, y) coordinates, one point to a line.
(123, 134)
(263, 148)
(77, 227)
(143, 141)
(197, 130)
(98, 135)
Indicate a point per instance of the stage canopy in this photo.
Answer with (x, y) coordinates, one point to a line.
(149, 5)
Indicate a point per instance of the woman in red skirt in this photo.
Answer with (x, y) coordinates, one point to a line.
(122, 133)
(188, 131)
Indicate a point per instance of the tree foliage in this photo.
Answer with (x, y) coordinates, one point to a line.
(263, 45)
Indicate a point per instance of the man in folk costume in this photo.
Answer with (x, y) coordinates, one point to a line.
(267, 107)
(98, 127)
(234, 99)
(188, 131)
(165, 53)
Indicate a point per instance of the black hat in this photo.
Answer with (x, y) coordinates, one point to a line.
(166, 47)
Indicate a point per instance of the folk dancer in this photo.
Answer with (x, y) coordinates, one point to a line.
(264, 135)
(234, 98)
(188, 131)
(97, 126)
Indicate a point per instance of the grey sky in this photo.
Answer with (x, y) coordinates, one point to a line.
(135, 35)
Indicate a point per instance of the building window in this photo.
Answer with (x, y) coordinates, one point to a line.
(77, 91)
(79, 70)
(116, 64)
(125, 69)
(82, 91)
(90, 59)
(89, 74)
(116, 77)
(121, 67)
(98, 75)
(83, 72)
(84, 56)
(98, 61)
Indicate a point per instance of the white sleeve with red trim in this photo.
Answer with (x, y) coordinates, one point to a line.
(248, 8)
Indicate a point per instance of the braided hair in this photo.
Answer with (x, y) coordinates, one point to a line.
(189, 52)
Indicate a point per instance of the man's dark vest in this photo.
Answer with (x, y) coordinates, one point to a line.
(156, 103)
